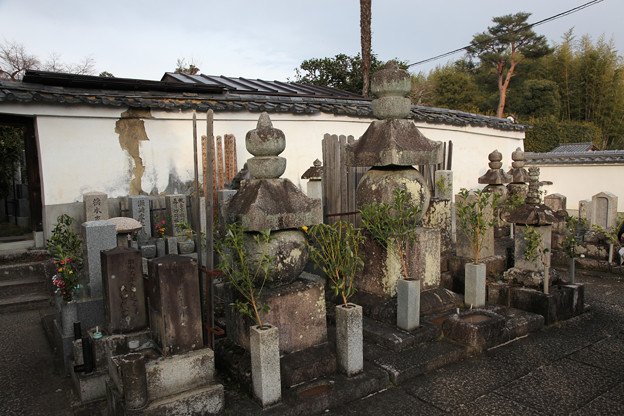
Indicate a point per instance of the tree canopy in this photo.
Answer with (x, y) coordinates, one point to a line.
(342, 71)
(504, 46)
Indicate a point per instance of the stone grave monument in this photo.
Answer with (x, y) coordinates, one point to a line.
(170, 372)
(296, 298)
(532, 285)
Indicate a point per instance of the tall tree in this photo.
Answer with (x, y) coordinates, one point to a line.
(504, 46)
(15, 60)
(365, 35)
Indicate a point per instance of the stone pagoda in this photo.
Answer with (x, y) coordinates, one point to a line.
(392, 146)
(296, 298)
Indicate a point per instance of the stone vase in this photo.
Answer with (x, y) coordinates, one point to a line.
(349, 344)
(265, 364)
(408, 304)
(474, 292)
(69, 315)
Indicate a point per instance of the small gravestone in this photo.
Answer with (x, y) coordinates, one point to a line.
(557, 203)
(97, 236)
(176, 213)
(585, 210)
(124, 295)
(95, 206)
(174, 304)
(139, 210)
(604, 209)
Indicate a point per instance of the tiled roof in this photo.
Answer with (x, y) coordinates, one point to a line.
(575, 147)
(242, 95)
(598, 157)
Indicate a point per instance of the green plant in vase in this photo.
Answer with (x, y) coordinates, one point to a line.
(248, 274)
(336, 249)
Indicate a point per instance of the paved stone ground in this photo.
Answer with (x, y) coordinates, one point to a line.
(575, 367)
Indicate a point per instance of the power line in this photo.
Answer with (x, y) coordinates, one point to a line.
(541, 22)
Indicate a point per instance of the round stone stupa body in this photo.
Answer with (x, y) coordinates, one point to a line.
(270, 202)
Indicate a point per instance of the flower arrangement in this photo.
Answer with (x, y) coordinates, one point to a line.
(65, 279)
(66, 248)
(160, 229)
(336, 250)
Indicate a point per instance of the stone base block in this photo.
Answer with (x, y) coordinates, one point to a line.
(478, 328)
(90, 387)
(64, 347)
(388, 336)
(297, 309)
(111, 345)
(432, 301)
(563, 302)
(306, 365)
(171, 375)
(295, 368)
(205, 400)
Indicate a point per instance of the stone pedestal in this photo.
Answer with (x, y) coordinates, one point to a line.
(297, 309)
(382, 268)
(543, 260)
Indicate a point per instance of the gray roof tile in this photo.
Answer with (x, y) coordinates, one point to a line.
(252, 96)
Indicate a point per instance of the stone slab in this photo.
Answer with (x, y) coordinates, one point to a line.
(314, 397)
(405, 365)
(206, 400)
(397, 340)
(172, 375)
(306, 365)
(477, 328)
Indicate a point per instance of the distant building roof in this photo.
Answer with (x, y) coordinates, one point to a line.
(599, 157)
(202, 92)
(575, 147)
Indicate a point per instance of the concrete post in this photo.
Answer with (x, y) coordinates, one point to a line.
(408, 304)
(349, 347)
(265, 364)
(134, 379)
(474, 293)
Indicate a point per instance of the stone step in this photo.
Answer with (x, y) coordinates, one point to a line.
(43, 269)
(24, 302)
(22, 286)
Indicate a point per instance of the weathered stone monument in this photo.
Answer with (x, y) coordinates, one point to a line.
(532, 285)
(519, 176)
(393, 145)
(95, 206)
(296, 298)
(170, 372)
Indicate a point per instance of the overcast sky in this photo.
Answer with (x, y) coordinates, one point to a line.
(267, 39)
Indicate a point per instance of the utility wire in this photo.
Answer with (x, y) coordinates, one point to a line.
(541, 22)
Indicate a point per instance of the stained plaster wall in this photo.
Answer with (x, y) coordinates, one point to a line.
(85, 149)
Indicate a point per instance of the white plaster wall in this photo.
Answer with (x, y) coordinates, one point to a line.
(80, 150)
(578, 182)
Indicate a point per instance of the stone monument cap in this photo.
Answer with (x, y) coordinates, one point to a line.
(125, 224)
